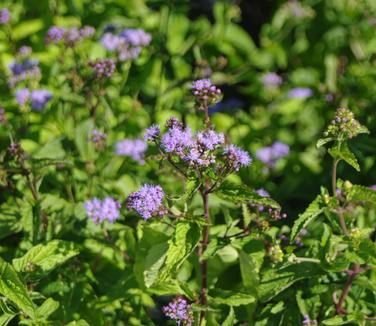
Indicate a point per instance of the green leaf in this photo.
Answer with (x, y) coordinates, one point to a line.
(26, 28)
(9, 220)
(81, 139)
(153, 263)
(314, 209)
(230, 319)
(13, 289)
(361, 193)
(80, 322)
(274, 281)
(182, 244)
(241, 194)
(51, 150)
(5, 319)
(345, 154)
(323, 141)
(338, 320)
(43, 258)
(231, 299)
(47, 308)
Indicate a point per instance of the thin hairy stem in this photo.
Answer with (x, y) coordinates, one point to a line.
(352, 274)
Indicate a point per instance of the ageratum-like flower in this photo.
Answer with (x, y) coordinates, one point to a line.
(134, 148)
(147, 202)
(102, 210)
(69, 36)
(39, 98)
(205, 93)
(300, 92)
(152, 133)
(177, 139)
(103, 68)
(180, 311)
(272, 154)
(236, 157)
(271, 80)
(98, 138)
(4, 16)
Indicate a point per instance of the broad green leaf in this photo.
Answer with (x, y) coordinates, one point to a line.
(52, 150)
(182, 244)
(154, 262)
(47, 308)
(27, 28)
(361, 193)
(43, 258)
(230, 319)
(314, 209)
(9, 220)
(338, 320)
(274, 281)
(234, 299)
(13, 289)
(241, 194)
(6, 318)
(345, 154)
(81, 139)
(323, 141)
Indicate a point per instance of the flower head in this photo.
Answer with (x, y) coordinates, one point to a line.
(4, 16)
(39, 98)
(147, 202)
(136, 37)
(177, 139)
(236, 157)
(110, 41)
(133, 148)
(152, 133)
(101, 210)
(180, 311)
(22, 96)
(271, 80)
(98, 138)
(270, 155)
(103, 68)
(300, 92)
(205, 93)
(55, 34)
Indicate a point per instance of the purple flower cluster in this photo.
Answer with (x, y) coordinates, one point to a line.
(237, 157)
(373, 187)
(101, 210)
(300, 92)
(103, 68)
(180, 311)
(147, 202)
(152, 133)
(271, 154)
(98, 138)
(128, 44)
(68, 36)
(23, 68)
(177, 139)
(271, 80)
(134, 148)
(205, 93)
(38, 97)
(4, 16)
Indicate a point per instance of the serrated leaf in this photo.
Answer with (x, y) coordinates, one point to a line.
(43, 258)
(47, 308)
(314, 209)
(274, 281)
(180, 246)
(231, 299)
(13, 289)
(361, 193)
(323, 141)
(345, 154)
(241, 194)
(153, 263)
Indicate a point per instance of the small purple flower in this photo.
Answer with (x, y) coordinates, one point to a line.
(152, 133)
(39, 98)
(99, 211)
(4, 16)
(103, 68)
(209, 140)
(133, 148)
(237, 157)
(25, 51)
(98, 138)
(300, 92)
(373, 187)
(271, 80)
(55, 34)
(271, 154)
(147, 202)
(180, 311)
(18, 68)
(205, 93)
(87, 31)
(263, 193)
(22, 96)
(136, 37)
(110, 41)
(177, 139)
